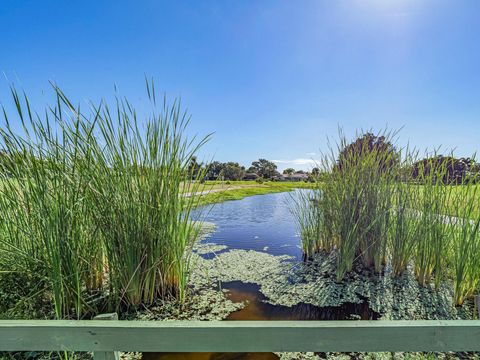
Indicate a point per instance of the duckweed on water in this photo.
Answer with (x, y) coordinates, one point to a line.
(208, 248)
(374, 356)
(206, 304)
(205, 231)
(288, 283)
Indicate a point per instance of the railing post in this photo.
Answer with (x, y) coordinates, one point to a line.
(477, 304)
(106, 355)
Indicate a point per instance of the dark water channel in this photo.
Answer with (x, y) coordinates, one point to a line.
(262, 223)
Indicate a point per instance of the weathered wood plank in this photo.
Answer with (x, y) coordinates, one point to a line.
(240, 336)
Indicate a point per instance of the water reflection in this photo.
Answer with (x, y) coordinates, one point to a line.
(258, 309)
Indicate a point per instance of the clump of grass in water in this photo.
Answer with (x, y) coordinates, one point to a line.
(432, 197)
(42, 208)
(357, 200)
(466, 244)
(402, 223)
(140, 212)
(311, 221)
(402, 234)
(93, 201)
(378, 211)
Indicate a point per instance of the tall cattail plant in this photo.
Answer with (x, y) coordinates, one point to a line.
(137, 196)
(94, 200)
(42, 203)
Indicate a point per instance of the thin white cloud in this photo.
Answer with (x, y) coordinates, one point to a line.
(311, 154)
(299, 161)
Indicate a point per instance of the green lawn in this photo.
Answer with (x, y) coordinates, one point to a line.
(457, 196)
(216, 191)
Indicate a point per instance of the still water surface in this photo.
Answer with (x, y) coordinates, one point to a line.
(261, 223)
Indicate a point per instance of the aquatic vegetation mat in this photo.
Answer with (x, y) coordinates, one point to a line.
(287, 283)
(375, 356)
(206, 304)
(208, 248)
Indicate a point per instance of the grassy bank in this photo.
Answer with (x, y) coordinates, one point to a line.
(216, 192)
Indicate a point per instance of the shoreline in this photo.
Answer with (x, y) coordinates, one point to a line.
(240, 190)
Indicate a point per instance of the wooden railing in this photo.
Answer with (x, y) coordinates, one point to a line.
(106, 337)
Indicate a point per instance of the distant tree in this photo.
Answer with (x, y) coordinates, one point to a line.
(194, 168)
(446, 169)
(315, 175)
(289, 171)
(233, 171)
(300, 172)
(214, 170)
(251, 170)
(366, 145)
(264, 168)
(225, 171)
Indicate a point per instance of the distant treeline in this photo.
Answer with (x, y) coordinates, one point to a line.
(260, 169)
(445, 169)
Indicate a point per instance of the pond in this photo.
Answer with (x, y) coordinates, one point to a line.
(264, 224)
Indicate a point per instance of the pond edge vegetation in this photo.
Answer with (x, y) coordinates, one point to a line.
(90, 203)
(379, 205)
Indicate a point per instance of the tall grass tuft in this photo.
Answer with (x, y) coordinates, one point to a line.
(311, 220)
(42, 204)
(403, 229)
(432, 198)
(93, 201)
(466, 243)
(140, 212)
(353, 202)
(380, 205)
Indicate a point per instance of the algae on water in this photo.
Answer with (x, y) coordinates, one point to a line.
(287, 283)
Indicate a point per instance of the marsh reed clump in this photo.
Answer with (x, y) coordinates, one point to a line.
(91, 201)
(353, 202)
(311, 222)
(465, 252)
(140, 211)
(390, 211)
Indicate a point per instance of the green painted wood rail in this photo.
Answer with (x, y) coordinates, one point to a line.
(104, 337)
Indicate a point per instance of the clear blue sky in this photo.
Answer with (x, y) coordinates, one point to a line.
(272, 79)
